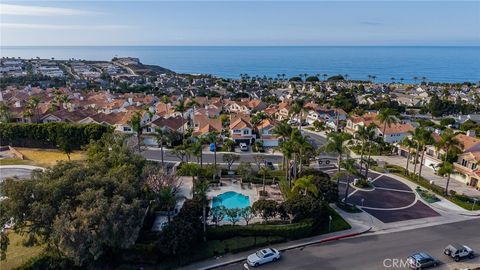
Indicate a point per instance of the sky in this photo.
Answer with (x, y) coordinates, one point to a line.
(262, 23)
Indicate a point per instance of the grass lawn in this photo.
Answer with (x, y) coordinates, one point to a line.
(48, 157)
(17, 254)
(14, 161)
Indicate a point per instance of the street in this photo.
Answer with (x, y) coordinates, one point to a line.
(378, 251)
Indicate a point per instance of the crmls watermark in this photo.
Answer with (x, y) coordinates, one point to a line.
(398, 263)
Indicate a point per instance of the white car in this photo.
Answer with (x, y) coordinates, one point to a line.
(243, 147)
(263, 256)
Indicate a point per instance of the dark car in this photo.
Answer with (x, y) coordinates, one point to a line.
(421, 260)
(457, 252)
(269, 165)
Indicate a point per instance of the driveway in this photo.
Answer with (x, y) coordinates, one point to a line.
(389, 201)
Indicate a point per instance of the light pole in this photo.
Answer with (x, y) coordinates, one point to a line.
(474, 202)
(329, 223)
(363, 199)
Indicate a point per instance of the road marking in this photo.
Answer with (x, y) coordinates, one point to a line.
(392, 189)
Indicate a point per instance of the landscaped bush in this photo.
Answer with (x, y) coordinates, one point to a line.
(289, 231)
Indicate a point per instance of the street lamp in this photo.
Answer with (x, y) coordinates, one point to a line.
(474, 202)
(363, 199)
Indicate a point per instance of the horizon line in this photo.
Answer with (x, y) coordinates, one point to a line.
(388, 45)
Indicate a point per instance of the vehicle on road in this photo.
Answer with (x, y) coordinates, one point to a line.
(457, 252)
(263, 256)
(243, 147)
(269, 165)
(421, 260)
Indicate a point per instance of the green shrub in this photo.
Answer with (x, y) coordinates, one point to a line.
(289, 231)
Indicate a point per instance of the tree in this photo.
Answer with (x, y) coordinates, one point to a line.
(82, 209)
(230, 159)
(446, 168)
(229, 145)
(301, 207)
(164, 188)
(365, 134)
(336, 144)
(233, 215)
(162, 136)
(135, 123)
(449, 143)
(212, 137)
(351, 170)
(188, 169)
(387, 117)
(182, 152)
(259, 161)
(265, 208)
(264, 171)
(247, 214)
(305, 185)
(244, 170)
(5, 115)
(409, 143)
(217, 214)
(65, 143)
(178, 237)
(425, 139)
(182, 108)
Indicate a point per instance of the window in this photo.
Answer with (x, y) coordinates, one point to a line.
(246, 132)
(236, 131)
(464, 163)
(127, 129)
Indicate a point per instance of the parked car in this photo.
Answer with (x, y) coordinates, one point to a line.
(212, 147)
(421, 260)
(243, 147)
(269, 165)
(263, 256)
(457, 252)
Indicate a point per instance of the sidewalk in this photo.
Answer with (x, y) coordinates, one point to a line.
(222, 152)
(428, 173)
(357, 229)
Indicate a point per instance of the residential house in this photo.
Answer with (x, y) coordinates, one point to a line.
(241, 131)
(266, 134)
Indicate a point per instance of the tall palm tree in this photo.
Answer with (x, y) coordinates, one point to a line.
(162, 136)
(32, 104)
(263, 171)
(336, 144)
(387, 117)
(446, 168)
(409, 143)
(364, 134)
(297, 110)
(212, 137)
(417, 138)
(283, 131)
(426, 139)
(370, 136)
(448, 142)
(5, 115)
(350, 170)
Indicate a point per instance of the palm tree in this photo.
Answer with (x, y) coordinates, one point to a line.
(415, 78)
(336, 144)
(409, 143)
(283, 131)
(286, 147)
(305, 185)
(426, 139)
(135, 123)
(297, 110)
(350, 170)
(392, 79)
(196, 149)
(448, 142)
(401, 79)
(32, 104)
(346, 77)
(446, 168)
(212, 137)
(182, 108)
(167, 198)
(163, 136)
(364, 135)
(263, 171)
(370, 136)
(387, 117)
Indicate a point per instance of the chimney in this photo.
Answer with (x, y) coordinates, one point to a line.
(471, 133)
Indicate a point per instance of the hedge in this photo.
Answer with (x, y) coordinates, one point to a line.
(45, 135)
(290, 231)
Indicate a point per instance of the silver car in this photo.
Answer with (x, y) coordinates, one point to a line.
(263, 256)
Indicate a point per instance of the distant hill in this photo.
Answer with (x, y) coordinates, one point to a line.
(149, 70)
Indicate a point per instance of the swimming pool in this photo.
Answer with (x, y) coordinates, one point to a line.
(231, 199)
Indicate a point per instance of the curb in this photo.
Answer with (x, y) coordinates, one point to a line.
(329, 239)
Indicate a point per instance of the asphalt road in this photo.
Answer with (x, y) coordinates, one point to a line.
(315, 139)
(377, 251)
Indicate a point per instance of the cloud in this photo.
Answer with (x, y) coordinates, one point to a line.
(371, 23)
(62, 27)
(22, 10)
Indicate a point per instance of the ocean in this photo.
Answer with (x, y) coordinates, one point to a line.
(437, 64)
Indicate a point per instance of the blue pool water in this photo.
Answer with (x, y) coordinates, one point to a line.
(231, 199)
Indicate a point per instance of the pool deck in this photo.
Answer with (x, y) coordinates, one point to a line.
(251, 192)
